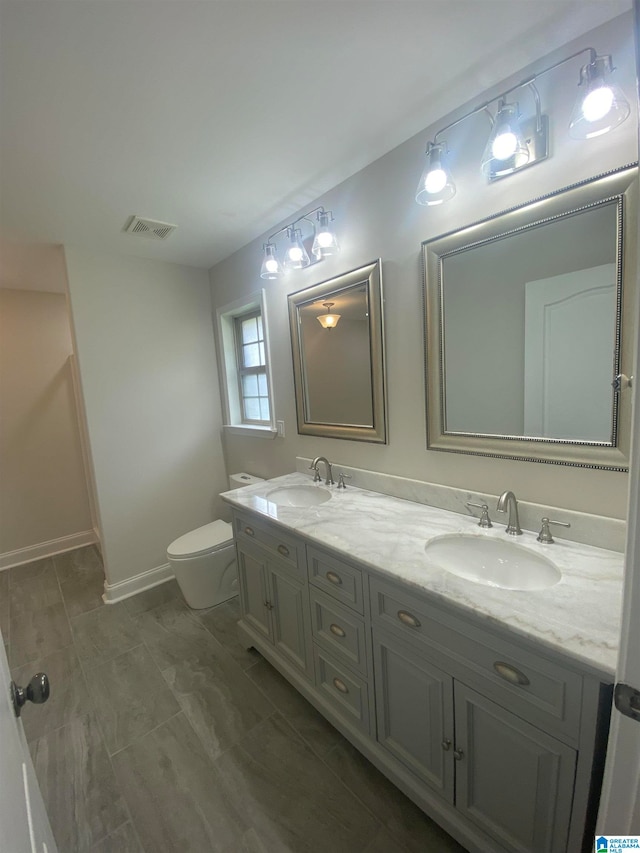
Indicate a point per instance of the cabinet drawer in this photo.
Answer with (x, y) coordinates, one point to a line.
(288, 549)
(531, 685)
(346, 692)
(336, 578)
(338, 630)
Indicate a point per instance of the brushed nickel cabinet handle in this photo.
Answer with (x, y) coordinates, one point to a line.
(446, 744)
(511, 674)
(337, 630)
(332, 577)
(340, 685)
(408, 619)
(458, 754)
(249, 531)
(282, 549)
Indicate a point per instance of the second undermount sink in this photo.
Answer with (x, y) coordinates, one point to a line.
(298, 495)
(493, 562)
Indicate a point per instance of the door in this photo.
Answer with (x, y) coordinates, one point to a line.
(252, 581)
(24, 825)
(290, 631)
(512, 780)
(568, 359)
(415, 712)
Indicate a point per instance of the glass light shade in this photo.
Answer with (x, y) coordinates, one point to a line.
(296, 256)
(436, 184)
(506, 149)
(271, 268)
(601, 106)
(328, 320)
(325, 242)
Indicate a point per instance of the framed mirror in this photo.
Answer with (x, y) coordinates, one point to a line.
(338, 356)
(529, 318)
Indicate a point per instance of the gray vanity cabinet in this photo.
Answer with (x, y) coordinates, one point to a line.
(500, 741)
(273, 594)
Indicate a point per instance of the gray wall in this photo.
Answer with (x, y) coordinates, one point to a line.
(377, 217)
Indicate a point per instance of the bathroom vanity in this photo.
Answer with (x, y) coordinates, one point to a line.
(488, 707)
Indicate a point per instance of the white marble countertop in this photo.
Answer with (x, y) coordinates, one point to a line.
(579, 617)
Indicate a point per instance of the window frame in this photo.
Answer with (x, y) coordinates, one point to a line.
(230, 386)
(245, 370)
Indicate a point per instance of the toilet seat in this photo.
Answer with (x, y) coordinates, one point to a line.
(204, 540)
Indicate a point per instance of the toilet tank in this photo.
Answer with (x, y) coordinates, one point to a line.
(236, 481)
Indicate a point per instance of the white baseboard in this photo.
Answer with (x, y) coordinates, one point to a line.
(47, 549)
(138, 583)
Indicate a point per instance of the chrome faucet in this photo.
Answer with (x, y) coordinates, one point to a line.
(507, 500)
(314, 467)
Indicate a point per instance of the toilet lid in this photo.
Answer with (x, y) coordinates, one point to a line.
(210, 537)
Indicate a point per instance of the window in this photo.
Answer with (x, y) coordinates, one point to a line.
(243, 341)
(252, 368)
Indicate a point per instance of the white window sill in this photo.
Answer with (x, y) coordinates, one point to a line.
(250, 431)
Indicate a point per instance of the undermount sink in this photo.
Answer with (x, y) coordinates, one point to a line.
(298, 495)
(493, 562)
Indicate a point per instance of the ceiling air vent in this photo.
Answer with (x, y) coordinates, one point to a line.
(150, 228)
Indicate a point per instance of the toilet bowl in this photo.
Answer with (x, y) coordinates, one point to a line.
(204, 560)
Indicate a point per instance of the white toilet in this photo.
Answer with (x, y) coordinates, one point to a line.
(204, 560)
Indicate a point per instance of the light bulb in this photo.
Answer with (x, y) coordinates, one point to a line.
(270, 268)
(597, 103)
(504, 145)
(325, 239)
(435, 181)
(271, 265)
(325, 242)
(295, 254)
(436, 184)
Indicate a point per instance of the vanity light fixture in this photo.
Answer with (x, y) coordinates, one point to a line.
(329, 320)
(601, 106)
(516, 142)
(296, 257)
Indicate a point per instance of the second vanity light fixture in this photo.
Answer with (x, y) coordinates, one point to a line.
(515, 143)
(296, 257)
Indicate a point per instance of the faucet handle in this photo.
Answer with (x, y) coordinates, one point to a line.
(316, 475)
(341, 478)
(545, 534)
(485, 521)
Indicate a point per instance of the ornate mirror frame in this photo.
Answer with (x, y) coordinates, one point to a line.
(619, 187)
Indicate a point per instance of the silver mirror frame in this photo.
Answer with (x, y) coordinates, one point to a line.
(619, 186)
(371, 275)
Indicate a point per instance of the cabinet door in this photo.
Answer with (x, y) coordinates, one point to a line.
(513, 780)
(414, 704)
(291, 629)
(254, 596)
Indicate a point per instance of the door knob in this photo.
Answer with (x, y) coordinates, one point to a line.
(36, 691)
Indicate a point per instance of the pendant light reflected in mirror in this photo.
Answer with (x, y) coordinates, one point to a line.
(329, 320)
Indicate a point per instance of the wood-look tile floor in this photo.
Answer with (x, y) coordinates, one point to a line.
(163, 735)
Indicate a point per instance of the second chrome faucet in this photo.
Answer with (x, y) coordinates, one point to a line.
(507, 503)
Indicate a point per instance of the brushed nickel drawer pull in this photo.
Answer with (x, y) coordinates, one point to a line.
(249, 531)
(458, 754)
(408, 619)
(340, 685)
(337, 630)
(511, 674)
(446, 744)
(282, 549)
(332, 577)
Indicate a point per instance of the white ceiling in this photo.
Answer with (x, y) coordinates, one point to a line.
(226, 116)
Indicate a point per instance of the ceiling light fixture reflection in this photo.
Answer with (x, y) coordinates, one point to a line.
(329, 320)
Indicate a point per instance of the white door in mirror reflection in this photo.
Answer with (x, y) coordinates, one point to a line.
(569, 347)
